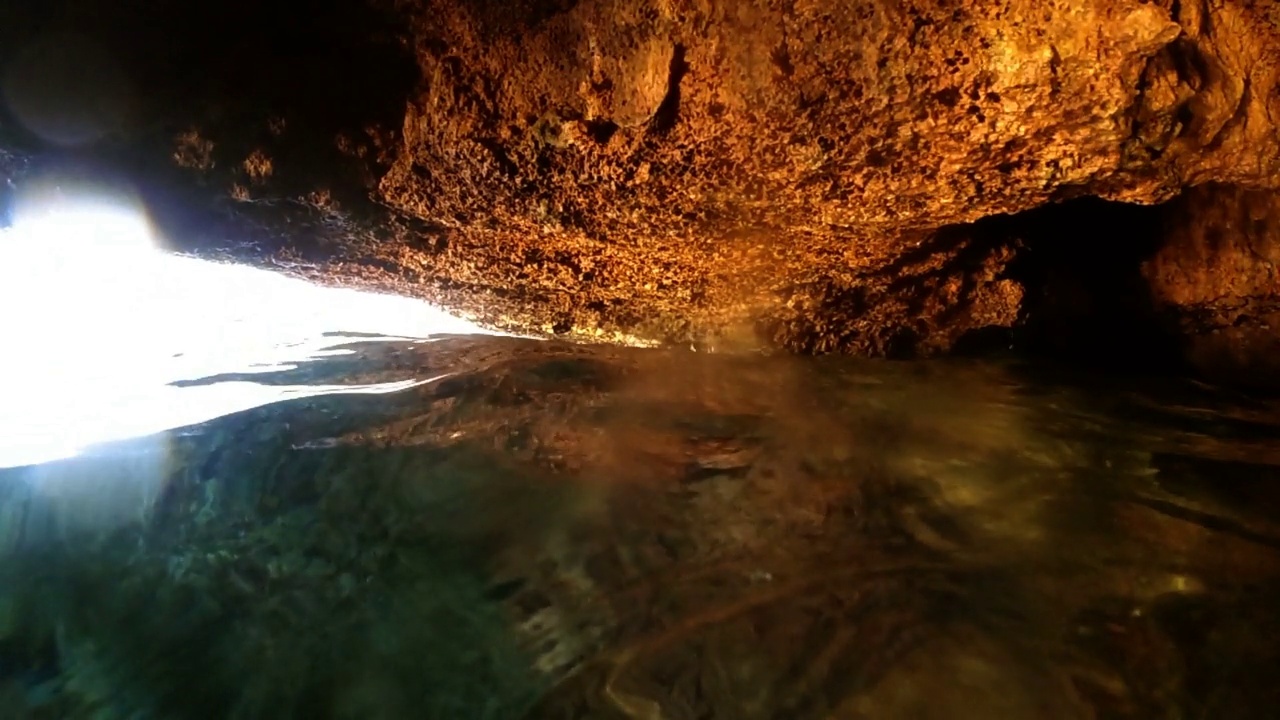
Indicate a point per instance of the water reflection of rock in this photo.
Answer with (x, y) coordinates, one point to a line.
(559, 532)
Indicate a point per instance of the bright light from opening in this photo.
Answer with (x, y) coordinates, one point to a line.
(58, 228)
(97, 325)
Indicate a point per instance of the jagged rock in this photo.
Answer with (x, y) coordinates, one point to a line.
(1209, 99)
(724, 173)
(1217, 278)
(772, 173)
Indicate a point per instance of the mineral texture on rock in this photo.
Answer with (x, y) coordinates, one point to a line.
(778, 172)
(801, 175)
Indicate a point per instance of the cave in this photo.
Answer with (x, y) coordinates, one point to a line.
(881, 359)
(1089, 182)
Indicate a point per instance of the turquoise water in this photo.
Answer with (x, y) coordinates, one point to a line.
(551, 531)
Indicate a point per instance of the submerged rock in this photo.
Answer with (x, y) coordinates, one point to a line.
(556, 531)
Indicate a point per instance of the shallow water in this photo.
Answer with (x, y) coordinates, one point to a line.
(551, 531)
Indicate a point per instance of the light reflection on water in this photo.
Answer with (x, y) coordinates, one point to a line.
(105, 338)
(225, 493)
(551, 531)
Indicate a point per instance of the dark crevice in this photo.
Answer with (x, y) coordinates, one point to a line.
(1239, 116)
(668, 111)
(1086, 300)
(601, 130)
(781, 59)
(1055, 70)
(500, 156)
(1192, 65)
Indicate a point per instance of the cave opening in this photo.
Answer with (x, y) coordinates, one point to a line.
(724, 461)
(1086, 300)
(252, 132)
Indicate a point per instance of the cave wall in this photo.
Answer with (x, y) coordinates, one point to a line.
(635, 118)
(775, 173)
(812, 176)
(1216, 282)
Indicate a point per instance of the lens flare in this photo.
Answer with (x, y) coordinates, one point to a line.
(99, 324)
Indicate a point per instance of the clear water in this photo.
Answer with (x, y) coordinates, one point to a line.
(550, 531)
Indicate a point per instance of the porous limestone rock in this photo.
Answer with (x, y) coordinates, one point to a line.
(771, 173)
(797, 174)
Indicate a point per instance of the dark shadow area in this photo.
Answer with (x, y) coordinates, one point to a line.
(1086, 302)
(339, 59)
(120, 82)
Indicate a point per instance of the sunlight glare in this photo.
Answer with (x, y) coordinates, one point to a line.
(98, 324)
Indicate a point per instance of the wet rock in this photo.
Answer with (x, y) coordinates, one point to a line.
(785, 118)
(966, 677)
(743, 173)
(1217, 279)
(717, 173)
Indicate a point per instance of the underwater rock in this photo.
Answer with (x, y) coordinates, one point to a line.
(523, 537)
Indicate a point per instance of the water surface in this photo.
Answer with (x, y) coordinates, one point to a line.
(550, 531)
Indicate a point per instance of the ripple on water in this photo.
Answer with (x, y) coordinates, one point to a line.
(550, 531)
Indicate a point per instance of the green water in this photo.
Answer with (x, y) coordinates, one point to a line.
(551, 531)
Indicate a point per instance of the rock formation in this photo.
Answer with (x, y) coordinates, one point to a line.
(1217, 279)
(687, 169)
(729, 173)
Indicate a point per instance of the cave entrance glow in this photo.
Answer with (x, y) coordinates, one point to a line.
(99, 325)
